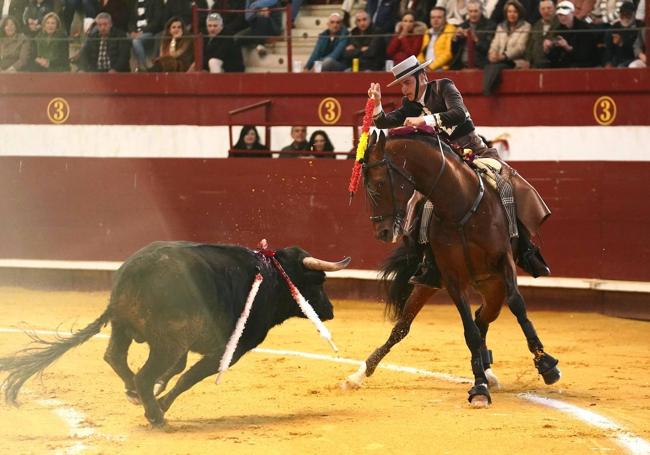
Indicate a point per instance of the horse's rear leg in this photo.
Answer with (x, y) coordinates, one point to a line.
(116, 356)
(546, 364)
(414, 304)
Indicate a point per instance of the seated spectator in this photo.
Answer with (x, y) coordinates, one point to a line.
(455, 10)
(640, 51)
(107, 49)
(477, 28)
(52, 52)
(383, 14)
(408, 39)
(89, 8)
(119, 12)
(299, 144)
(249, 139)
(31, 28)
(508, 45)
(530, 8)
(364, 45)
(319, 141)
(436, 42)
(176, 49)
(534, 55)
(37, 9)
(330, 45)
(570, 46)
(145, 22)
(262, 24)
(14, 47)
(220, 54)
(619, 41)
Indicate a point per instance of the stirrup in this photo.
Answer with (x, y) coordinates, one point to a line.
(425, 276)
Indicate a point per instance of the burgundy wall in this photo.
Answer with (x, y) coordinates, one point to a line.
(105, 209)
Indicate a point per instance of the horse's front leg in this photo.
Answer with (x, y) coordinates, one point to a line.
(414, 304)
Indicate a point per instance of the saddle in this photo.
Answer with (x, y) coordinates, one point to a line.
(411, 130)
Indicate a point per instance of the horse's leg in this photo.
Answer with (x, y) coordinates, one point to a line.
(493, 292)
(479, 395)
(161, 383)
(546, 364)
(414, 304)
(116, 356)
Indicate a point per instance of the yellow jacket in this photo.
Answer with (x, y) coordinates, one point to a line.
(442, 48)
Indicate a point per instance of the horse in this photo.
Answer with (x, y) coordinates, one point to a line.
(469, 238)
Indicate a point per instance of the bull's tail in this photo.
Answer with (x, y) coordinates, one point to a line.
(26, 363)
(395, 273)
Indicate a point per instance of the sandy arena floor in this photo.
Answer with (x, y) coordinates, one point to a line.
(275, 403)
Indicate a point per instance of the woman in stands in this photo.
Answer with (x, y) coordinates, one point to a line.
(14, 47)
(52, 53)
(408, 40)
(249, 139)
(319, 141)
(176, 49)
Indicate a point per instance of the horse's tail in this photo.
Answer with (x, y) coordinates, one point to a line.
(395, 273)
(26, 363)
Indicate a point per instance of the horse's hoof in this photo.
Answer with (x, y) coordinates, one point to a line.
(479, 402)
(479, 396)
(355, 380)
(493, 381)
(133, 397)
(349, 384)
(552, 376)
(158, 388)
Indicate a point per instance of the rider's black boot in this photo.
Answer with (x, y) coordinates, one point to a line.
(529, 257)
(427, 273)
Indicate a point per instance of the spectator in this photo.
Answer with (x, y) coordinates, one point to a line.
(249, 139)
(364, 45)
(176, 49)
(582, 8)
(530, 8)
(106, 49)
(408, 40)
(508, 45)
(262, 24)
(31, 27)
(146, 21)
(299, 144)
(14, 47)
(640, 51)
(119, 12)
(319, 141)
(88, 7)
(619, 42)
(52, 53)
(455, 10)
(383, 13)
(37, 9)
(477, 28)
(15, 9)
(535, 56)
(330, 45)
(570, 46)
(421, 8)
(220, 54)
(436, 42)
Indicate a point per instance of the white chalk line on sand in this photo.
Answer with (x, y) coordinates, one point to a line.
(632, 443)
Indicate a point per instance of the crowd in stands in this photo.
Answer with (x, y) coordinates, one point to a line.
(155, 35)
(249, 144)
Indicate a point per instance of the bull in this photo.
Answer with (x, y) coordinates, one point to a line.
(179, 297)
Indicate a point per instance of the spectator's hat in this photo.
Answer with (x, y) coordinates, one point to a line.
(565, 8)
(407, 68)
(627, 7)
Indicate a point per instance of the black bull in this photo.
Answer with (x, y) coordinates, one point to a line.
(180, 297)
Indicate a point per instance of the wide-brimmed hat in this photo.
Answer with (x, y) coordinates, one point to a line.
(406, 68)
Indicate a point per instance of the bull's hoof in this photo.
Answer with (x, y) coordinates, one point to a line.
(156, 418)
(547, 366)
(355, 380)
(479, 396)
(493, 381)
(552, 376)
(133, 397)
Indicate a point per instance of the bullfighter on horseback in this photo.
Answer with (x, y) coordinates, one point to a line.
(439, 105)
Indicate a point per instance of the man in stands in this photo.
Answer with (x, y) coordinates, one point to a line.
(220, 53)
(477, 28)
(541, 30)
(364, 45)
(436, 43)
(439, 104)
(106, 49)
(299, 144)
(572, 45)
(619, 42)
(330, 45)
(262, 24)
(145, 22)
(384, 14)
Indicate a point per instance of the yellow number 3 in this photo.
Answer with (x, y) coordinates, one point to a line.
(604, 110)
(58, 110)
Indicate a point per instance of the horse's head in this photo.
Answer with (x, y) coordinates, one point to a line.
(388, 186)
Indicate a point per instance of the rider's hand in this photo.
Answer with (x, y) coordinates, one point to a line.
(414, 121)
(374, 92)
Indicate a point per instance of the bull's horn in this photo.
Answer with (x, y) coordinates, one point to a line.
(325, 266)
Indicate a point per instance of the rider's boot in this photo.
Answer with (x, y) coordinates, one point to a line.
(427, 273)
(529, 257)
